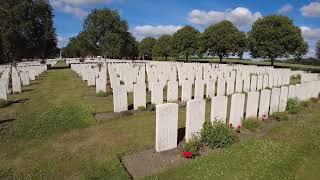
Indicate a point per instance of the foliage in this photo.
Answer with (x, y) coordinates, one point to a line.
(302, 49)
(314, 100)
(295, 80)
(293, 106)
(3, 103)
(145, 47)
(222, 39)
(280, 116)
(162, 48)
(193, 145)
(142, 108)
(26, 30)
(186, 41)
(103, 94)
(318, 49)
(273, 37)
(104, 33)
(151, 107)
(306, 104)
(217, 135)
(252, 124)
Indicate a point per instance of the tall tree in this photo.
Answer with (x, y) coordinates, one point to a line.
(241, 44)
(163, 47)
(221, 39)
(273, 37)
(26, 30)
(302, 49)
(318, 49)
(185, 41)
(146, 46)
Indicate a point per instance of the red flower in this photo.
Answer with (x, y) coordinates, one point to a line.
(239, 126)
(230, 125)
(187, 154)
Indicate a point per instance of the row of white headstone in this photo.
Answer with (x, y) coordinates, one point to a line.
(253, 104)
(20, 75)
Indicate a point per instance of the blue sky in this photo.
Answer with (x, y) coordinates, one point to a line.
(155, 18)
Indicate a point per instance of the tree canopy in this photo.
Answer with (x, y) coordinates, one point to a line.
(186, 41)
(26, 30)
(146, 46)
(223, 39)
(318, 49)
(105, 34)
(163, 47)
(273, 37)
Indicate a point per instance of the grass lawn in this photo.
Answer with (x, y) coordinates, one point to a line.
(51, 134)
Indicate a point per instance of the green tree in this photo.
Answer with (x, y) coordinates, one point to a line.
(318, 49)
(222, 39)
(273, 37)
(146, 46)
(241, 44)
(26, 30)
(302, 49)
(186, 41)
(163, 47)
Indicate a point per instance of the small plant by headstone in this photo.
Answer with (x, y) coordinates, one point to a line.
(142, 108)
(252, 124)
(102, 94)
(293, 106)
(151, 107)
(3, 103)
(280, 116)
(217, 135)
(306, 104)
(193, 146)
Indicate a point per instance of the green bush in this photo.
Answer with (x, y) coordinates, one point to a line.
(151, 107)
(102, 94)
(252, 124)
(217, 135)
(293, 106)
(3, 103)
(280, 116)
(193, 145)
(142, 108)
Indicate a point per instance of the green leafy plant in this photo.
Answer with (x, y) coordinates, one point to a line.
(217, 135)
(3, 103)
(293, 106)
(142, 108)
(193, 145)
(102, 94)
(151, 107)
(280, 116)
(252, 124)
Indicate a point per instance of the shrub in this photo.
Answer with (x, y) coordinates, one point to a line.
(314, 100)
(252, 124)
(293, 106)
(3, 103)
(217, 135)
(151, 107)
(193, 145)
(280, 116)
(142, 108)
(102, 94)
(306, 104)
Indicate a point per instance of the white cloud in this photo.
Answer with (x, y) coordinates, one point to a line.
(240, 16)
(285, 9)
(68, 8)
(311, 10)
(141, 32)
(310, 33)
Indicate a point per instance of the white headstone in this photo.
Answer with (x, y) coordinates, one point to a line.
(264, 103)
(236, 109)
(219, 109)
(252, 104)
(166, 126)
(275, 100)
(156, 93)
(172, 91)
(283, 98)
(211, 88)
(139, 95)
(120, 99)
(253, 86)
(199, 89)
(186, 91)
(221, 86)
(195, 117)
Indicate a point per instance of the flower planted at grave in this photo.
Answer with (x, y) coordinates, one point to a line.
(264, 117)
(187, 154)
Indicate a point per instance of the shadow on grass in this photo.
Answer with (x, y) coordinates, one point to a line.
(6, 120)
(27, 90)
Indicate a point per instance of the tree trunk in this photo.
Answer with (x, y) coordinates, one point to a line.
(166, 58)
(272, 61)
(187, 57)
(220, 57)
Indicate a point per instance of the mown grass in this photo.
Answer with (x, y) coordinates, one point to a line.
(53, 136)
(291, 150)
